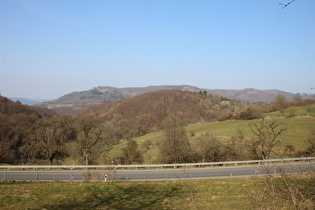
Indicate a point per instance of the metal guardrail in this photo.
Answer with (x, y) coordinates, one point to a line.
(177, 165)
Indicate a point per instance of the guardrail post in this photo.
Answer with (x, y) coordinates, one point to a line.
(71, 177)
(126, 177)
(36, 177)
(5, 176)
(54, 177)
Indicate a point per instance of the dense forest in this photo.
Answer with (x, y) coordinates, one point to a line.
(37, 135)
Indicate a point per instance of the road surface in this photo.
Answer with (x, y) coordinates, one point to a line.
(161, 174)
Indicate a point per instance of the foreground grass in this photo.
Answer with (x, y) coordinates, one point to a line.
(198, 194)
(241, 193)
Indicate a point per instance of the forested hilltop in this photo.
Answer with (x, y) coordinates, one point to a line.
(147, 112)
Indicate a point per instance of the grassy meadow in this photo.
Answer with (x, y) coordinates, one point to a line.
(280, 192)
(298, 131)
(307, 110)
(191, 194)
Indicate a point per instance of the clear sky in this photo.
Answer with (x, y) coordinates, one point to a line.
(49, 48)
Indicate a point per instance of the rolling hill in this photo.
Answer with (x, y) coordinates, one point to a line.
(148, 111)
(74, 103)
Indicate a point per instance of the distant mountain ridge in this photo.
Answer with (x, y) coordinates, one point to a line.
(81, 100)
(105, 93)
(27, 101)
(252, 95)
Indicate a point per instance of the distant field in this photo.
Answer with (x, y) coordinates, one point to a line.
(297, 111)
(298, 131)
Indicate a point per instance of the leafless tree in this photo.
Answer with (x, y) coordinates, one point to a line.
(47, 139)
(284, 190)
(89, 139)
(175, 147)
(131, 153)
(297, 98)
(209, 147)
(281, 103)
(267, 133)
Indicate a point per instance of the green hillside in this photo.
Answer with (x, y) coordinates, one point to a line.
(307, 110)
(298, 131)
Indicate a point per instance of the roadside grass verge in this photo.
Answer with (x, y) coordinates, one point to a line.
(238, 193)
(189, 194)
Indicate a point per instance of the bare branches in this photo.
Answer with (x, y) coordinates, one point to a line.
(285, 190)
(267, 133)
(287, 4)
(90, 139)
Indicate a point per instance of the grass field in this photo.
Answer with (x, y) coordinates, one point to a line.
(239, 193)
(296, 111)
(298, 131)
(198, 194)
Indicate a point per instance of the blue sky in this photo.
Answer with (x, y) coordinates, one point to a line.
(54, 47)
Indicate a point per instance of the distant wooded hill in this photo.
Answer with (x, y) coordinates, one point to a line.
(148, 111)
(76, 102)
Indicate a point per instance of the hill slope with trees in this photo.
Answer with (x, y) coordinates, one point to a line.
(15, 119)
(147, 112)
(75, 103)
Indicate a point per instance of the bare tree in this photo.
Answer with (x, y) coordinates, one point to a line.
(209, 147)
(281, 103)
(89, 139)
(235, 148)
(132, 153)
(175, 147)
(308, 109)
(267, 133)
(47, 139)
(284, 191)
(297, 98)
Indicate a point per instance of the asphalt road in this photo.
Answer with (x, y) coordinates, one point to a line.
(161, 174)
